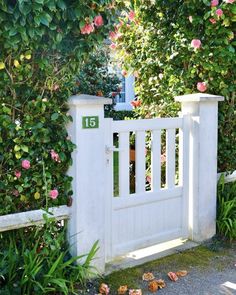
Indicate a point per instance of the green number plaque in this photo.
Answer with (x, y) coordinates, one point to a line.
(90, 122)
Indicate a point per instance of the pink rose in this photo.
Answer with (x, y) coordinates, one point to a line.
(53, 194)
(15, 193)
(196, 43)
(212, 20)
(55, 157)
(17, 174)
(148, 179)
(219, 12)
(113, 46)
(214, 3)
(131, 15)
(190, 18)
(87, 29)
(25, 164)
(229, 1)
(201, 86)
(124, 73)
(112, 35)
(98, 21)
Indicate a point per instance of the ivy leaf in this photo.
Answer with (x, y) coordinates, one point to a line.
(45, 19)
(18, 155)
(54, 116)
(24, 148)
(61, 4)
(16, 148)
(231, 49)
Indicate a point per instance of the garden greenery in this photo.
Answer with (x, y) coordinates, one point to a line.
(179, 47)
(41, 263)
(226, 212)
(95, 76)
(42, 46)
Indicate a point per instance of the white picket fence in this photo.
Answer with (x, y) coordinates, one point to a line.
(183, 206)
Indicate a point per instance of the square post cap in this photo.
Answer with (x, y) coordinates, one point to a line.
(199, 97)
(85, 99)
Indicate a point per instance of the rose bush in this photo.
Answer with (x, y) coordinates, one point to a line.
(43, 44)
(180, 47)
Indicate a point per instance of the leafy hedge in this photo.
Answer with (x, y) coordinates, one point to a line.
(179, 47)
(43, 44)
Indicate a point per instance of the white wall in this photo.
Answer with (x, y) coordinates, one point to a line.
(129, 95)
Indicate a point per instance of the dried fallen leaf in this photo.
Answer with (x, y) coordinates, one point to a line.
(153, 286)
(135, 292)
(104, 289)
(173, 277)
(122, 290)
(161, 283)
(181, 273)
(148, 276)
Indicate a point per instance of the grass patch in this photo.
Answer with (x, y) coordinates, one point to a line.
(116, 173)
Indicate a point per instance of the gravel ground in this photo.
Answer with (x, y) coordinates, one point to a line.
(200, 280)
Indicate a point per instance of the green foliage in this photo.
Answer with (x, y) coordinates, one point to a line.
(37, 261)
(121, 115)
(94, 76)
(156, 45)
(226, 212)
(42, 50)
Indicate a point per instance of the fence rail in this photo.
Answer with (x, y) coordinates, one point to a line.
(33, 217)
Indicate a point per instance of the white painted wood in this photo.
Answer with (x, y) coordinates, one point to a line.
(170, 158)
(124, 180)
(140, 163)
(184, 172)
(33, 217)
(146, 124)
(150, 222)
(109, 190)
(156, 161)
(132, 245)
(87, 222)
(147, 198)
(202, 163)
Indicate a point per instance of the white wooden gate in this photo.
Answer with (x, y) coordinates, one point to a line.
(181, 201)
(145, 217)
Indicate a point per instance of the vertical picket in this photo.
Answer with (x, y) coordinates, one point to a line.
(170, 158)
(156, 160)
(124, 164)
(140, 163)
(109, 189)
(184, 180)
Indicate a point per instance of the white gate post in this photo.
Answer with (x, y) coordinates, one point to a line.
(87, 221)
(203, 109)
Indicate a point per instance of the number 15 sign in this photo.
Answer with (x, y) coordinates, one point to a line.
(89, 122)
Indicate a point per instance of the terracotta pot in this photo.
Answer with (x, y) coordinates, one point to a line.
(132, 155)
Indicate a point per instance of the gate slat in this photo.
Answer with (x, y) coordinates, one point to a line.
(156, 161)
(170, 158)
(140, 163)
(124, 164)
